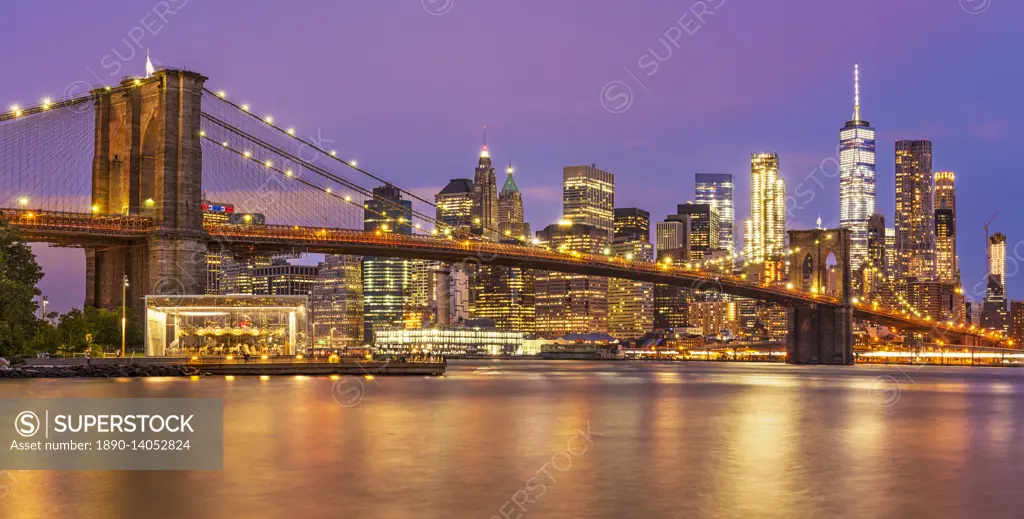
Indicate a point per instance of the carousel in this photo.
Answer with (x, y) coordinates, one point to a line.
(187, 326)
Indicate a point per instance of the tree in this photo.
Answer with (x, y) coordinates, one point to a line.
(19, 274)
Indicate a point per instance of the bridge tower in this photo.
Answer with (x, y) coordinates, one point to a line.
(820, 333)
(148, 162)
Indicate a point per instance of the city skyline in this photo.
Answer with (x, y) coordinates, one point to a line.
(970, 134)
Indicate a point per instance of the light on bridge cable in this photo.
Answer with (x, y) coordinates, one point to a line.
(245, 107)
(269, 119)
(222, 94)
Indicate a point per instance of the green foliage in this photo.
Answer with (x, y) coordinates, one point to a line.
(19, 274)
(94, 330)
(22, 334)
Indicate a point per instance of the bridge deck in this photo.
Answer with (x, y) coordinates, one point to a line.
(64, 228)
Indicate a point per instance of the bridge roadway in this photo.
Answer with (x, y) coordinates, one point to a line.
(77, 229)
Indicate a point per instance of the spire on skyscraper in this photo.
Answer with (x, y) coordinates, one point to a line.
(510, 183)
(856, 92)
(484, 152)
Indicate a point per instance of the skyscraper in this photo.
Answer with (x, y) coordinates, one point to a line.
(455, 209)
(914, 219)
(511, 218)
(506, 294)
(588, 196)
(672, 235)
(572, 303)
(702, 228)
(455, 204)
(890, 252)
(631, 302)
(874, 271)
(485, 197)
(876, 241)
(632, 224)
(716, 190)
(1017, 323)
(385, 280)
(994, 310)
(856, 178)
(671, 308)
(336, 305)
(283, 279)
(420, 303)
(765, 236)
(946, 264)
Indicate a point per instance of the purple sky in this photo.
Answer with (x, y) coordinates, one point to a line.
(406, 91)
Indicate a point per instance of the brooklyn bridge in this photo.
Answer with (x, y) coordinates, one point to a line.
(124, 170)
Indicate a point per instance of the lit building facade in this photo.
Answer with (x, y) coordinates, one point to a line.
(856, 179)
(890, 252)
(385, 280)
(765, 236)
(630, 302)
(218, 213)
(671, 235)
(420, 305)
(994, 312)
(632, 224)
(505, 295)
(947, 267)
(1017, 324)
(716, 190)
(702, 225)
(238, 273)
(485, 197)
(511, 218)
(572, 303)
(588, 196)
(714, 317)
(874, 267)
(448, 340)
(455, 204)
(336, 304)
(284, 279)
(915, 219)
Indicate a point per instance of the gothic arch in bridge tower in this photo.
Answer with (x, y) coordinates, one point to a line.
(148, 159)
(808, 261)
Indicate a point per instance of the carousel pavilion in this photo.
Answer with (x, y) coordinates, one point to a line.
(185, 326)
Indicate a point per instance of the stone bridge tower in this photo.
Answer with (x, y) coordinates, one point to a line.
(820, 333)
(148, 162)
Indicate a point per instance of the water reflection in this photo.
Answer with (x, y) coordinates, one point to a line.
(669, 440)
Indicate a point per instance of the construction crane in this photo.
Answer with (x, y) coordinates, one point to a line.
(988, 250)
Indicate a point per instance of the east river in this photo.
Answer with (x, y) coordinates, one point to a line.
(574, 440)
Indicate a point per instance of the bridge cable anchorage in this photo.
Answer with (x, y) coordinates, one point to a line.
(324, 173)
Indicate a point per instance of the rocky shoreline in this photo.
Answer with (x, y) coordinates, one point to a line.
(99, 371)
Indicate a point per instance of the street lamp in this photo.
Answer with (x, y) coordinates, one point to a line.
(124, 312)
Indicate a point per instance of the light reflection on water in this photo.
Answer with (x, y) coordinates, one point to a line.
(669, 440)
